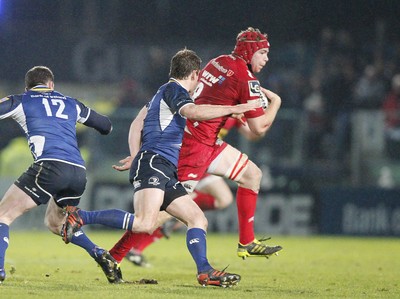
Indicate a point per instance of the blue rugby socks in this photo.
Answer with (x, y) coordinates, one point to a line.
(197, 245)
(112, 218)
(4, 239)
(80, 239)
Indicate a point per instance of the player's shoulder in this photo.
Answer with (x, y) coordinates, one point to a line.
(12, 97)
(174, 89)
(229, 66)
(11, 100)
(222, 62)
(78, 101)
(9, 103)
(57, 94)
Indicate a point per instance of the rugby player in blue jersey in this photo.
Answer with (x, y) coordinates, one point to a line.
(57, 176)
(155, 139)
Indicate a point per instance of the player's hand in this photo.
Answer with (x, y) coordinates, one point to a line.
(126, 164)
(250, 105)
(272, 96)
(240, 117)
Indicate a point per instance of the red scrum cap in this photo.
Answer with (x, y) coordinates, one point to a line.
(248, 42)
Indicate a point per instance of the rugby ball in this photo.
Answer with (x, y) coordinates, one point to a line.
(264, 100)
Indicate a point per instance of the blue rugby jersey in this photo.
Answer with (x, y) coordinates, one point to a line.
(164, 126)
(48, 119)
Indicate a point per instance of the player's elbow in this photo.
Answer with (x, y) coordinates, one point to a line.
(103, 125)
(191, 115)
(190, 112)
(107, 129)
(262, 127)
(100, 123)
(260, 131)
(255, 137)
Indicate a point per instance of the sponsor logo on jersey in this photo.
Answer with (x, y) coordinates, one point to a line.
(222, 69)
(136, 184)
(209, 79)
(254, 88)
(219, 67)
(5, 239)
(195, 240)
(154, 181)
(192, 175)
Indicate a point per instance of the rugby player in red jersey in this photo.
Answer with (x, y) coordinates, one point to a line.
(229, 80)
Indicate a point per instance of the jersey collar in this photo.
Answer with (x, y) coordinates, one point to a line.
(41, 88)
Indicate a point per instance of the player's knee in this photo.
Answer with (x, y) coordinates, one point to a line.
(252, 177)
(223, 202)
(204, 223)
(257, 173)
(52, 226)
(199, 221)
(147, 227)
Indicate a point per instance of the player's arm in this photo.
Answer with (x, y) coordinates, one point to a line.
(92, 119)
(135, 132)
(205, 112)
(261, 124)
(99, 122)
(134, 140)
(9, 105)
(245, 131)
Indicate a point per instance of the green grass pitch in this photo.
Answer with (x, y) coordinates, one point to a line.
(40, 265)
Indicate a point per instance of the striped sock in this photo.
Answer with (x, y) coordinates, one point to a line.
(112, 218)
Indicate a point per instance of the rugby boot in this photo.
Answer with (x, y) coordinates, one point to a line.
(109, 265)
(72, 223)
(256, 248)
(218, 278)
(137, 259)
(2, 275)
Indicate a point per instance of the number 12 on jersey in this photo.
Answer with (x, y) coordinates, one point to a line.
(59, 104)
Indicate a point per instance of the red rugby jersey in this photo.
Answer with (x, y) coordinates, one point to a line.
(225, 80)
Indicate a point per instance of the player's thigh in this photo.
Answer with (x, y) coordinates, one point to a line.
(14, 203)
(217, 187)
(229, 163)
(147, 203)
(213, 185)
(186, 210)
(209, 182)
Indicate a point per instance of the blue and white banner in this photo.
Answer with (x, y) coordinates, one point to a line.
(361, 211)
